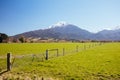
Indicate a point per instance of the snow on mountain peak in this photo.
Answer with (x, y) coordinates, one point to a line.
(59, 24)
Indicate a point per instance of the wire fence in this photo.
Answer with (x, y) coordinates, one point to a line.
(25, 60)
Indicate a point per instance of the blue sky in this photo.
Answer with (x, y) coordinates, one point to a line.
(17, 16)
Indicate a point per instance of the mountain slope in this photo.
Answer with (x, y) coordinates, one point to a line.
(108, 35)
(69, 31)
(63, 31)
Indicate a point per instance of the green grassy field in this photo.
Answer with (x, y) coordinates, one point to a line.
(95, 63)
(33, 48)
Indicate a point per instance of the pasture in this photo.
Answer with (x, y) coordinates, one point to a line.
(91, 62)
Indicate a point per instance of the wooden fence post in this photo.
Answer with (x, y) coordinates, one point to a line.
(8, 62)
(46, 54)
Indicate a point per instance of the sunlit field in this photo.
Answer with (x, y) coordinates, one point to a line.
(80, 61)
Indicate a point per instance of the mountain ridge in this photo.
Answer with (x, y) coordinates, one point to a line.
(70, 31)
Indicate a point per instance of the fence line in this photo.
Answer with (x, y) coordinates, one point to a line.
(13, 60)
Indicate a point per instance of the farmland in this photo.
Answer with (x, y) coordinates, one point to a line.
(98, 62)
(33, 48)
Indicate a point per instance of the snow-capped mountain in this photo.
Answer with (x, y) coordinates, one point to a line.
(59, 24)
(63, 30)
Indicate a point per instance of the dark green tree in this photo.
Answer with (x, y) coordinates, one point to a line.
(3, 37)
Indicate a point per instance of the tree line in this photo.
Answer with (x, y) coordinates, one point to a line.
(4, 38)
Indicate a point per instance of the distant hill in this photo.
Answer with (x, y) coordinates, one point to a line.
(108, 35)
(70, 31)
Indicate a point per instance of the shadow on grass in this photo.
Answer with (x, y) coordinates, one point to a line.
(3, 72)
